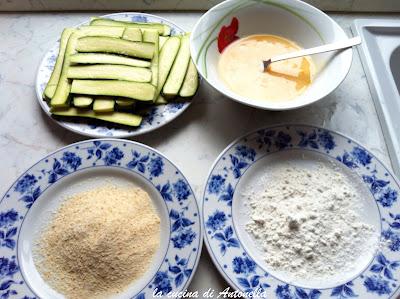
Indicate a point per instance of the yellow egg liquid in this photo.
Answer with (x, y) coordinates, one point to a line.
(240, 68)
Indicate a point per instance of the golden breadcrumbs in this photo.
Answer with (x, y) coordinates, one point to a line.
(98, 242)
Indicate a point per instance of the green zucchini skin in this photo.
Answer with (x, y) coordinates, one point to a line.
(191, 82)
(116, 32)
(60, 98)
(166, 60)
(61, 94)
(55, 75)
(125, 104)
(96, 44)
(162, 29)
(112, 72)
(123, 118)
(134, 90)
(152, 37)
(100, 58)
(178, 71)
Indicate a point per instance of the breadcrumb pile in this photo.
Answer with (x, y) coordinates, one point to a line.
(98, 242)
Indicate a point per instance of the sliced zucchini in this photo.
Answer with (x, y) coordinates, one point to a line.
(151, 36)
(98, 58)
(125, 104)
(132, 34)
(116, 32)
(103, 104)
(109, 71)
(160, 100)
(191, 81)
(82, 101)
(115, 45)
(161, 28)
(55, 75)
(178, 71)
(166, 59)
(127, 119)
(61, 93)
(161, 41)
(133, 90)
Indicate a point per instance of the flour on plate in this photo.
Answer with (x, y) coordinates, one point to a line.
(307, 222)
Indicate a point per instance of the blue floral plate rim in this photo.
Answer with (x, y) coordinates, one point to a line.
(156, 117)
(177, 267)
(380, 279)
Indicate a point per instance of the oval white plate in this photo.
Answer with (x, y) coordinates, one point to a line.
(157, 116)
(27, 207)
(234, 251)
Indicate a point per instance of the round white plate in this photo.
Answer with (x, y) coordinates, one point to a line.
(234, 251)
(28, 204)
(155, 118)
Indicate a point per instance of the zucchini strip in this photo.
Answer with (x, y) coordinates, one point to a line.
(162, 29)
(134, 90)
(62, 91)
(99, 58)
(55, 75)
(127, 119)
(178, 71)
(105, 71)
(102, 44)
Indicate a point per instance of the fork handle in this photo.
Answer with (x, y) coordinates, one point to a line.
(320, 49)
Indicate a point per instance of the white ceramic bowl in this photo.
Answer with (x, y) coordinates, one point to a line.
(292, 19)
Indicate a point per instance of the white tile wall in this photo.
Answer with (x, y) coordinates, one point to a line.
(139, 5)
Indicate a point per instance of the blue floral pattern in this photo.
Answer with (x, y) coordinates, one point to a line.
(226, 239)
(98, 149)
(286, 292)
(179, 269)
(155, 118)
(181, 190)
(216, 183)
(69, 162)
(216, 221)
(178, 190)
(376, 284)
(344, 291)
(356, 158)
(184, 234)
(8, 269)
(248, 278)
(162, 282)
(8, 230)
(380, 279)
(384, 267)
(26, 186)
(316, 139)
(143, 162)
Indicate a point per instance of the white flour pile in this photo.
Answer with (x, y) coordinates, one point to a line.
(307, 222)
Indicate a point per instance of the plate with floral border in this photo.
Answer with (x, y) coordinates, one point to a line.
(245, 269)
(30, 201)
(156, 117)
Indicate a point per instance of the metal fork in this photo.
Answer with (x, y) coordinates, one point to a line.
(316, 50)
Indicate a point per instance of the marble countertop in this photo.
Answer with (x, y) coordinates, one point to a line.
(193, 141)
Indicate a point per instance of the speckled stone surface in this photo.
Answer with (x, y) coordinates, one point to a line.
(193, 141)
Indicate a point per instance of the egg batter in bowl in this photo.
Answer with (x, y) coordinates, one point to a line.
(240, 68)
